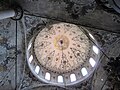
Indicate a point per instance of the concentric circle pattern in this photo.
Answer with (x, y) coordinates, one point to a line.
(62, 47)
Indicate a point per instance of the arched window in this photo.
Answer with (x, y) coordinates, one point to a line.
(47, 76)
(30, 58)
(29, 46)
(72, 77)
(37, 69)
(91, 36)
(95, 49)
(60, 79)
(84, 71)
(92, 62)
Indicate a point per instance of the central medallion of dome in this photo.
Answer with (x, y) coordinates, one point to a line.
(61, 42)
(62, 47)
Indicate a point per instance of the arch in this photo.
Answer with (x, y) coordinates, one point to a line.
(95, 49)
(29, 46)
(91, 36)
(84, 71)
(30, 58)
(60, 79)
(37, 69)
(47, 76)
(72, 77)
(92, 62)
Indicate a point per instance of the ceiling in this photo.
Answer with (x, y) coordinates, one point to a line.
(13, 68)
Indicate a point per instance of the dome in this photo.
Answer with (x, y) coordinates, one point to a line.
(62, 54)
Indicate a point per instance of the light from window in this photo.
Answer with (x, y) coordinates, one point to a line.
(72, 77)
(92, 62)
(47, 76)
(84, 71)
(60, 79)
(30, 58)
(95, 49)
(37, 69)
(101, 79)
(29, 46)
(91, 36)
